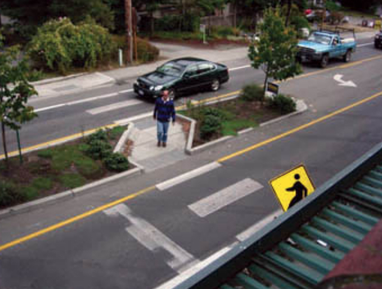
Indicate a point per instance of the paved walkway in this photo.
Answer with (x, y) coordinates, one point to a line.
(145, 151)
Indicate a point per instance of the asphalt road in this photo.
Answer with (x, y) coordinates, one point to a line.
(157, 234)
(78, 114)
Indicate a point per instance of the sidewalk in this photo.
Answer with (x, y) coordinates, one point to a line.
(145, 151)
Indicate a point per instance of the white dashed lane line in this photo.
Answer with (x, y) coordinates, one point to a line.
(114, 106)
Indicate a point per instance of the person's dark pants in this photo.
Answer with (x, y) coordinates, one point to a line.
(162, 129)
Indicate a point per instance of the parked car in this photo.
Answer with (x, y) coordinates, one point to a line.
(322, 46)
(182, 76)
(378, 40)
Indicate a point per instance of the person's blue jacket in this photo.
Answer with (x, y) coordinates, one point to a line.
(164, 110)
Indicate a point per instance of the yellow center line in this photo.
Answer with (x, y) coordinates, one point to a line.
(74, 219)
(292, 131)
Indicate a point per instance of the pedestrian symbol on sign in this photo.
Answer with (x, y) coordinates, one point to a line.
(292, 186)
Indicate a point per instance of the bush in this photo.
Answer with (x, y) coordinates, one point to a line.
(99, 149)
(190, 22)
(283, 104)
(100, 135)
(168, 23)
(252, 92)
(9, 194)
(88, 168)
(300, 22)
(115, 132)
(222, 31)
(146, 51)
(117, 162)
(221, 114)
(210, 125)
(61, 45)
(72, 181)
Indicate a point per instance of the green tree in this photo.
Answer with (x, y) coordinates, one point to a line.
(276, 50)
(14, 92)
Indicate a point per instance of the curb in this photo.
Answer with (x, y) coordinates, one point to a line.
(301, 107)
(58, 79)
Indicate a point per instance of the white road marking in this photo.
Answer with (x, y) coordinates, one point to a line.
(338, 78)
(187, 176)
(125, 91)
(84, 100)
(92, 99)
(114, 106)
(49, 107)
(240, 67)
(365, 44)
(152, 238)
(195, 269)
(134, 118)
(258, 226)
(215, 202)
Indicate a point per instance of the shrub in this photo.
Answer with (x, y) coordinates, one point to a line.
(221, 114)
(252, 92)
(222, 31)
(99, 149)
(332, 6)
(117, 162)
(283, 104)
(100, 135)
(146, 51)
(116, 132)
(190, 22)
(88, 167)
(9, 194)
(61, 45)
(300, 22)
(336, 17)
(210, 126)
(168, 23)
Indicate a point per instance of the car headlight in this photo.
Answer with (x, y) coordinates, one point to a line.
(158, 87)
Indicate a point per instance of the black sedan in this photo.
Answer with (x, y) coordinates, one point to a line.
(378, 40)
(182, 76)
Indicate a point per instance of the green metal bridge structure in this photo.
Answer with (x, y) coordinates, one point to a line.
(300, 248)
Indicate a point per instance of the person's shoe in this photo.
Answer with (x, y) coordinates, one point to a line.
(164, 144)
(158, 144)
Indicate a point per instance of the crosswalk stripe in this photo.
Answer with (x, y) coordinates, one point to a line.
(222, 198)
(151, 238)
(113, 106)
(187, 176)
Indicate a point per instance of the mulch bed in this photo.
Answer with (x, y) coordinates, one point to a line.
(243, 111)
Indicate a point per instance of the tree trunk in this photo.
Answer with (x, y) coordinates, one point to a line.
(128, 25)
(235, 14)
(288, 13)
(4, 141)
(266, 80)
(152, 28)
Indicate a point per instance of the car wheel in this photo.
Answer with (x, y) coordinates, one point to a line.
(347, 56)
(324, 61)
(215, 85)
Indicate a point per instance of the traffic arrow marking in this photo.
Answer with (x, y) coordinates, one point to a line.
(338, 78)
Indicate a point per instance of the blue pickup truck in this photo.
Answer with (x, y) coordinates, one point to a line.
(322, 46)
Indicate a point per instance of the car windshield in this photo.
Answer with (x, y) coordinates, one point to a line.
(170, 68)
(319, 38)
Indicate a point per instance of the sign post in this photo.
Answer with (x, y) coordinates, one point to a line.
(203, 30)
(292, 186)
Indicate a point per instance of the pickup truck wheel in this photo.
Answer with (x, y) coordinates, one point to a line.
(347, 56)
(324, 61)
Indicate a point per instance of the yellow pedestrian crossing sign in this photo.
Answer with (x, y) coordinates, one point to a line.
(292, 186)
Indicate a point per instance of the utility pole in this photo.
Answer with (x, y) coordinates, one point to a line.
(129, 31)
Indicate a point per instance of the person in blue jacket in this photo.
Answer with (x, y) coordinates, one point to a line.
(164, 112)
